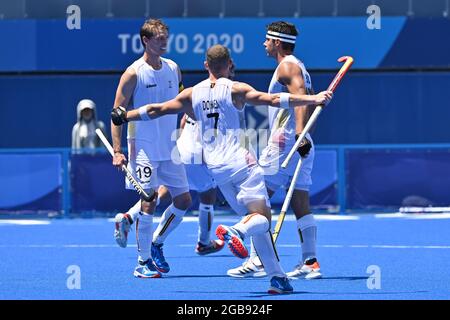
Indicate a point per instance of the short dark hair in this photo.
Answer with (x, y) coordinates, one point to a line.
(217, 57)
(151, 27)
(284, 27)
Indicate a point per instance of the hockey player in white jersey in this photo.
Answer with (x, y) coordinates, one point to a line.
(151, 79)
(215, 104)
(285, 125)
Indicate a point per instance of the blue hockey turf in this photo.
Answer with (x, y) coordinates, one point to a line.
(411, 253)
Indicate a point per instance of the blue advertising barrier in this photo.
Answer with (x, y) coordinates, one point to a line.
(345, 178)
(73, 183)
(31, 182)
(111, 44)
(392, 178)
(98, 186)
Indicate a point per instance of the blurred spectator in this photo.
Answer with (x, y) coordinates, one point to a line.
(83, 132)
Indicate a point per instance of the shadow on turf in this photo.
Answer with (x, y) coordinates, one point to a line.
(254, 294)
(344, 278)
(265, 294)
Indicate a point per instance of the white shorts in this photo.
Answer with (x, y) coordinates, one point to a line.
(244, 187)
(199, 177)
(276, 177)
(151, 174)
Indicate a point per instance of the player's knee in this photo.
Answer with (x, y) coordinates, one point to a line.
(268, 215)
(148, 206)
(183, 201)
(208, 196)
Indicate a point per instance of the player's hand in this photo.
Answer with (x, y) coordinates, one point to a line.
(119, 159)
(305, 147)
(119, 115)
(324, 97)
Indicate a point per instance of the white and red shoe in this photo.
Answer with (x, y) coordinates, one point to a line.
(123, 224)
(233, 239)
(309, 270)
(212, 247)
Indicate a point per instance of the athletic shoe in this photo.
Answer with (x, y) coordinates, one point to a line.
(123, 223)
(279, 285)
(247, 269)
(310, 269)
(145, 269)
(233, 239)
(158, 258)
(213, 246)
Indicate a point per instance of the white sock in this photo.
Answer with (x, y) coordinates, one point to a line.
(307, 229)
(252, 224)
(205, 220)
(268, 254)
(133, 212)
(144, 228)
(170, 219)
(253, 255)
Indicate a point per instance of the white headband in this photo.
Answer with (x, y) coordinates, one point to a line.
(283, 37)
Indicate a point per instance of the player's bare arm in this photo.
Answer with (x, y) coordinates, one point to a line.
(123, 98)
(243, 93)
(182, 103)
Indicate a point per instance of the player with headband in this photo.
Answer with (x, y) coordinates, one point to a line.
(285, 125)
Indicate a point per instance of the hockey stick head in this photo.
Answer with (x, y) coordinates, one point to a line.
(348, 61)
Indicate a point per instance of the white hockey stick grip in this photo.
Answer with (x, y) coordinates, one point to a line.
(105, 141)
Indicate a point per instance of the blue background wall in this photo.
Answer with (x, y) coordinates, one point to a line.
(109, 44)
(372, 105)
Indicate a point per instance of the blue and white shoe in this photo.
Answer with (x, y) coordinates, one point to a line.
(145, 269)
(233, 239)
(123, 223)
(279, 285)
(159, 262)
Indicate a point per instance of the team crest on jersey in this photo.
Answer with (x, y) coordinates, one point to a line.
(308, 79)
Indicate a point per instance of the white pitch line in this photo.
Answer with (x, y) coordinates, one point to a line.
(414, 216)
(390, 215)
(24, 222)
(409, 247)
(427, 216)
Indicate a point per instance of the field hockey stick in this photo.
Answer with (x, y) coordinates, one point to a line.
(286, 202)
(337, 79)
(144, 195)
